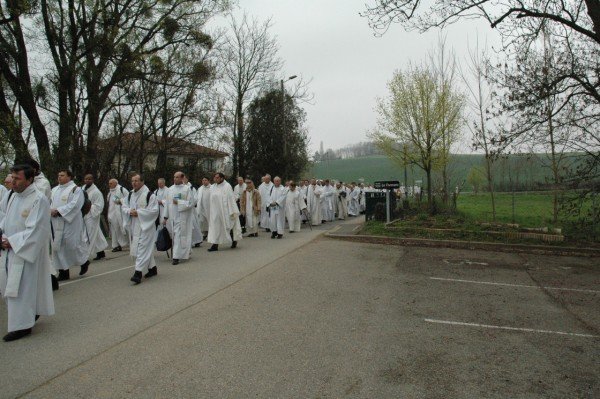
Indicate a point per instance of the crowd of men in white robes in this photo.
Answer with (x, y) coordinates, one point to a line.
(47, 231)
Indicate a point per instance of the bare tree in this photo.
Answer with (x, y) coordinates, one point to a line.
(479, 102)
(251, 62)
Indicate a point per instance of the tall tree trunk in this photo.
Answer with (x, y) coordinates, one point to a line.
(12, 128)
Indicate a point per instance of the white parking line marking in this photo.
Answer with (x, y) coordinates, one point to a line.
(357, 227)
(531, 330)
(61, 284)
(513, 285)
(464, 262)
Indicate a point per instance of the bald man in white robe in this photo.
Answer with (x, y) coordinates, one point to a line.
(140, 210)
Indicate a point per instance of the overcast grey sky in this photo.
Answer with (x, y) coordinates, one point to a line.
(328, 41)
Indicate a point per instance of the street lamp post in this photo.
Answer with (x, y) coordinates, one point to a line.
(284, 130)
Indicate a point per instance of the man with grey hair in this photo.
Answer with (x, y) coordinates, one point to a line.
(114, 199)
(276, 200)
(265, 191)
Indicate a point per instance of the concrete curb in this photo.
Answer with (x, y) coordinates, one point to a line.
(488, 246)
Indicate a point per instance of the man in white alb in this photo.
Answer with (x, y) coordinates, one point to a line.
(265, 191)
(224, 226)
(92, 220)
(277, 198)
(203, 206)
(69, 241)
(140, 210)
(179, 208)
(114, 199)
(25, 272)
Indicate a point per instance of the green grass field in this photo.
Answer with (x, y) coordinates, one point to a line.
(530, 210)
(525, 172)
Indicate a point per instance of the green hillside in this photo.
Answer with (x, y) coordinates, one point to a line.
(526, 172)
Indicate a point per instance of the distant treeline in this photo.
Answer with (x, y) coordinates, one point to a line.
(362, 149)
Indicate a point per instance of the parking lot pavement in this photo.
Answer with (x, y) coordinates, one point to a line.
(332, 319)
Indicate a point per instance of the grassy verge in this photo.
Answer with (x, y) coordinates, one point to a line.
(473, 221)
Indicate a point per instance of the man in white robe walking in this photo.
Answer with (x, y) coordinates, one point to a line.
(178, 216)
(265, 191)
(238, 190)
(353, 206)
(327, 209)
(196, 233)
(161, 193)
(203, 207)
(92, 220)
(25, 272)
(141, 211)
(114, 199)
(69, 241)
(313, 203)
(224, 226)
(277, 198)
(340, 203)
(294, 205)
(43, 185)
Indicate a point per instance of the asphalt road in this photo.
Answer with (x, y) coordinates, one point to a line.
(312, 317)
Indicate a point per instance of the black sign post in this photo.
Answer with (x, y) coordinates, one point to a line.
(389, 186)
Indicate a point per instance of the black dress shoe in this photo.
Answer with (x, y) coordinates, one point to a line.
(279, 236)
(204, 238)
(268, 230)
(15, 335)
(37, 316)
(234, 244)
(175, 262)
(151, 272)
(197, 245)
(215, 247)
(100, 255)
(137, 277)
(54, 282)
(243, 230)
(117, 249)
(274, 234)
(63, 275)
(84, 268)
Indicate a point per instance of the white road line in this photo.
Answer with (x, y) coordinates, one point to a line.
(357, 227)
(531, 330)
(513, 285)
(336, 228)
(464, 262)
(94, 276)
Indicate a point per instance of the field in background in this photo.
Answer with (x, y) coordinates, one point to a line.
(524, 172)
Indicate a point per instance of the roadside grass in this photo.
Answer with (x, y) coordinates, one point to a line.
(530, 210)
(472, 221)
